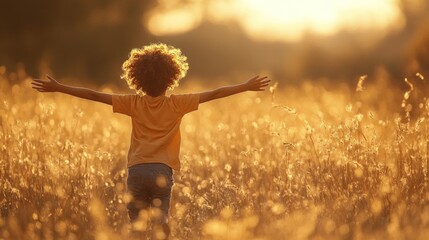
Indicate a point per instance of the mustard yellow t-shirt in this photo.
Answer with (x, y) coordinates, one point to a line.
(155, 135)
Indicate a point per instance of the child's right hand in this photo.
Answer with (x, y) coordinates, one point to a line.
(50, 85)
(254, 84)
(258, 83)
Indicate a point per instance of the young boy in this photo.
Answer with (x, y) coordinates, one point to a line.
(155, 137)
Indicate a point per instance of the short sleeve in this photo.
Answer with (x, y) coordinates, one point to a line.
(186, 103)
(123, 104)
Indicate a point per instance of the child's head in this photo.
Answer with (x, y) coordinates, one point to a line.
(154, 69)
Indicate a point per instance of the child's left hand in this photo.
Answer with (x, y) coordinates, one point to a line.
(50, 85)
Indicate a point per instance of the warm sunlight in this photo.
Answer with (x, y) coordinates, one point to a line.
(279, 19)
(214, 119)
(175, 20)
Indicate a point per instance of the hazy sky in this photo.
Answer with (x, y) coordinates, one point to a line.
(289, 39)
(284, 20)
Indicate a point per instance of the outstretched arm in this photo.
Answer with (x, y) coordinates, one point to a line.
(52, 85)
(254, 84)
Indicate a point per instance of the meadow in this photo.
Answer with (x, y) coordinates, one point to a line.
(309, 161)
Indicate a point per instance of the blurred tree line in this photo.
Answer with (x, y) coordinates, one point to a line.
(90, 40)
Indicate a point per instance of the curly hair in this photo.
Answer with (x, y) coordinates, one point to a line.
(154, 69)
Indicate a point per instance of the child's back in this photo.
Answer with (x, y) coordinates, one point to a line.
(155, 136)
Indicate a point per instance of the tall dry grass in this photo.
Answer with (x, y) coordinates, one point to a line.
(306, 162)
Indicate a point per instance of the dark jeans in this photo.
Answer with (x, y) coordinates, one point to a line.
(150, 186)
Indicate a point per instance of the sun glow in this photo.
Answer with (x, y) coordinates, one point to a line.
(171, 19)
(287, 20)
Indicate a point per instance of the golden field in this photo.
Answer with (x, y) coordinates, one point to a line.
(294, 162)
